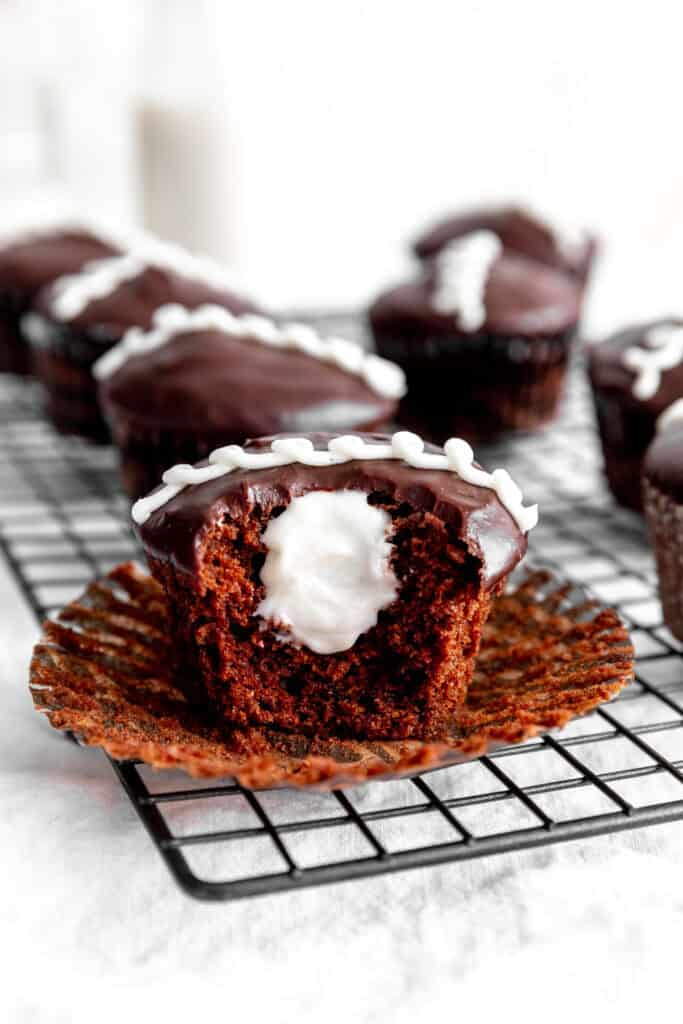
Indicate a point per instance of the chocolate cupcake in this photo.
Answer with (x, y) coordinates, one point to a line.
(663, 504)
(521, 230)
(635, 375)
(204, 378)
(30, 261)
(484, 336)
(78, 318)
(332, 585)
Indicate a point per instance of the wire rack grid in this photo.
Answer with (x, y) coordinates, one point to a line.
(63, 520)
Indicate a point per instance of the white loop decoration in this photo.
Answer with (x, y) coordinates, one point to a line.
(382, 376)
(462, 270)
(662, 349)
(404, 446)
(73, 293)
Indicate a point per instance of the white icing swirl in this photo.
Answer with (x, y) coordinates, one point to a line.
(409, 448)
(462, 270)
(381, 375)
(661, 350)
(671, 415)
(73, 293)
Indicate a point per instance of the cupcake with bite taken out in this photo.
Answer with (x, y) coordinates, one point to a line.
(332, 585)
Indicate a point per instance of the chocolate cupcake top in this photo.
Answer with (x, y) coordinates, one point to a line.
(520, 230)
(663, 465)
(30, 261)
(486, 510)
(109, 296)
(641, 365)
(475, 285)
(213, 372)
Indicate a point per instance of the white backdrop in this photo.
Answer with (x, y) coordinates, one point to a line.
(340, 128)
(330, 132)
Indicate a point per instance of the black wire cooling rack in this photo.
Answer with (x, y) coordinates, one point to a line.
(63, 520)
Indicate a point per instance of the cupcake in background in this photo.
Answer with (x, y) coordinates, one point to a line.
(663, 505)
(484, 335)
(520, 229)
(204, 378)
(77, 318)
(635, 375)
(28, 262)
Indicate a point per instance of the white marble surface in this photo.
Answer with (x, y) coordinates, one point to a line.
(94, 928)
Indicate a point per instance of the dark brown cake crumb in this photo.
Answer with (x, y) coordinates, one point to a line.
(404, 677)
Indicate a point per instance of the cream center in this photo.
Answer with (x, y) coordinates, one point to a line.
(327, 573)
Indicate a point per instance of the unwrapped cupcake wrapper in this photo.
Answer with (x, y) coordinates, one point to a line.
(104, 671)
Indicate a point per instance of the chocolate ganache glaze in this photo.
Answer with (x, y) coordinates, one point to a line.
(610, 374)
(132, 302)
(520, 231)
(230, 388)
(174, 531)
(29, 262)
(32, 261)
(521, 298)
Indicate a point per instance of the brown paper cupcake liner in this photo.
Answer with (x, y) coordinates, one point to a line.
(104, 671)
(665, 522)
(625, 433)
(448, 396)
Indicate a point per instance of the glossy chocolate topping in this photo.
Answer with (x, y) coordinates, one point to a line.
(663, 464)
(608, 373)
(522, 298)
(518, 230)
(28, 264)
(212, 382)
(174, 532)
(133, 302)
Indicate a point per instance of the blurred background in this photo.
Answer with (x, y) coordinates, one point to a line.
(304, 143)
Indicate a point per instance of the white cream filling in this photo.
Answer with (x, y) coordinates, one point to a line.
(457, 457)
(327, 573)
(462, 270)
(382, 376)
(662, 349)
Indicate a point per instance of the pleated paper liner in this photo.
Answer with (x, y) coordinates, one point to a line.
(103, 670)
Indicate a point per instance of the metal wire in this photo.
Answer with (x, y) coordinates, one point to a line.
(63, 520)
